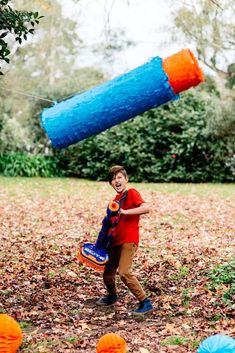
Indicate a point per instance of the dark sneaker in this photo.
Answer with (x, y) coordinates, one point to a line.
(144, 307)
(107, 300)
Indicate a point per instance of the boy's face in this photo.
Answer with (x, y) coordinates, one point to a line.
(119, 182)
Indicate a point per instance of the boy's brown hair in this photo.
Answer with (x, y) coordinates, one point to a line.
(113, 171)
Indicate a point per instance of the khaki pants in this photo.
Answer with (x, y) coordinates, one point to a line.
(121, 258)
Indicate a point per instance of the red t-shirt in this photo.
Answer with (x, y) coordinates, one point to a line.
(127, 230)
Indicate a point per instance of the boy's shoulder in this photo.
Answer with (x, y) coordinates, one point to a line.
(132, 192)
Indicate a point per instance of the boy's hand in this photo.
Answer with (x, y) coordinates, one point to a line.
(122, 211)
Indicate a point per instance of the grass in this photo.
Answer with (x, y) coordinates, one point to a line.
(48, 186)
(174, 341)
(179, 341)
(24, 324)
(185, 296)
(73, 339)
(182, 272)
(222, 280)
(45, 344)
(200, 189)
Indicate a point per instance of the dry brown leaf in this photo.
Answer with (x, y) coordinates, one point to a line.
(144, 350)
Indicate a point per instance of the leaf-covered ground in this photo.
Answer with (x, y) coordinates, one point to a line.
(189, 231)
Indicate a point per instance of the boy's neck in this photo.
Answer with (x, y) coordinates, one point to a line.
(122, 192)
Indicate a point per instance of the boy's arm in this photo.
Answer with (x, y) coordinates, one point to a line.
(142, 209)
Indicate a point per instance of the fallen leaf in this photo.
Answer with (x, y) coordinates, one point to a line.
(143, 350)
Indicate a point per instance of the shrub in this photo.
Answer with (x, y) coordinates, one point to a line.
(22, 164)
(170, 143)
(13, 136)
(222, 280)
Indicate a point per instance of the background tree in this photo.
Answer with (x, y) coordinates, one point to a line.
(53, 50)
(51, 58)
(47, 69)
(173, 142)
(210, 26)
(16, 24)
(199, 146)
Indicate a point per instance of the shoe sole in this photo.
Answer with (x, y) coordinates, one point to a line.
(103, 304)
(139, 314)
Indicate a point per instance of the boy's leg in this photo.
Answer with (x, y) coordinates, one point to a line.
(128, 251)
(111, 269)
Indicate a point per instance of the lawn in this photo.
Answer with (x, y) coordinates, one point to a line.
(189, 232)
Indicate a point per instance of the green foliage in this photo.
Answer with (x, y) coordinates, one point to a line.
(170, 143)
(13, 136)
(182, 273)
(22, 164)
(211, 28)
(230, 163)
(221, 119)
(186, 296)
(231, 76)
(209, 86)
(5, 113)
(222, 280)
(174, 341)
(39, 66)
(18, 23)
(53, 53)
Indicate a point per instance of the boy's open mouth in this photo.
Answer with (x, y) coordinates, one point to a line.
(118, 186)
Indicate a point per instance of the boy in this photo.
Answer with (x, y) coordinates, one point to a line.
(125, 242)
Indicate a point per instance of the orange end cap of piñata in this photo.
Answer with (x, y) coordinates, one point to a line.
(10, 334)
(114, 206)
(183, 71)
(111, 343)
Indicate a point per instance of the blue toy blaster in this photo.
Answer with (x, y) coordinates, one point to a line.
(96, 255)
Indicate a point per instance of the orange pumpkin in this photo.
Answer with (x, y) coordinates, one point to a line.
(10, 334)
(111, 343)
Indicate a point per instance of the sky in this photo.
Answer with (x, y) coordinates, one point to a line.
(145, 22)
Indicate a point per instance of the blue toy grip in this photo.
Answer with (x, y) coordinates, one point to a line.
(104, 237)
